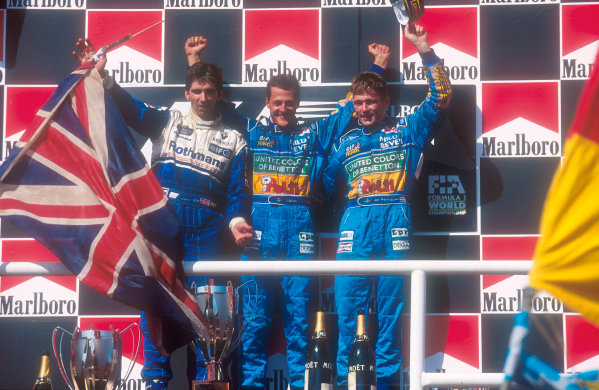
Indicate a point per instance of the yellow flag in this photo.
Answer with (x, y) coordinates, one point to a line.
(566, 260)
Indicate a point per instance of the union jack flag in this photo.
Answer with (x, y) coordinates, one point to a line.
(77, 183)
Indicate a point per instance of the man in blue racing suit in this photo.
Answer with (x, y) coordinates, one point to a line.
(288, 159)
(379, 159)
(201, 164)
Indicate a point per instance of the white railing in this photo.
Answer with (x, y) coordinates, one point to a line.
(418, 271)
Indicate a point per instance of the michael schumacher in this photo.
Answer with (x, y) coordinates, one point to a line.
(287, 159)
(379, 160)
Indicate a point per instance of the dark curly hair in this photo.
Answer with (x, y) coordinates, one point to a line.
(204, 71)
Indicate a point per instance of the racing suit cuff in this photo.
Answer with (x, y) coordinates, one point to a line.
(429, 57)
(235, 221)
(376, 69)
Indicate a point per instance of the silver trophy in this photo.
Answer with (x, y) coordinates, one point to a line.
(408, 11)
(220, 305)
(95, 357)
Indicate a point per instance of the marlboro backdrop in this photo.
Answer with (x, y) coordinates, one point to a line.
(517, 66)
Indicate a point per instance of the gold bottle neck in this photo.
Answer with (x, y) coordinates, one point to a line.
(44, 367)
(319, 329)
(361, 328)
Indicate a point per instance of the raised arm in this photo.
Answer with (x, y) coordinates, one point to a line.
(194, 46)
(437, 101)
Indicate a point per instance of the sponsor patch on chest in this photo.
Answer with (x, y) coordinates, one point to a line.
(352, 149)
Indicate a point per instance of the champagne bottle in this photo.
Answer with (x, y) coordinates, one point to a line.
(362, 364)
(43, 381)
(319, 366)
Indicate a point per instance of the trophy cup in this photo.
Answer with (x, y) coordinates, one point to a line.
(408, 11)
(220, 305)
(95, 358)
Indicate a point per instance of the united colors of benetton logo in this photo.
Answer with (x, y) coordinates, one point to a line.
(505, 293)
(139, 61)
(47, 4)
(35, 296)
(453, 34)
(281, 41)
(582, 344)
(21, 105)
(580, 40)
(520, 120)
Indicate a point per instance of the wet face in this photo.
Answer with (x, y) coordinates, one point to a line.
(203, 96)
(282, 105)
(370, 107)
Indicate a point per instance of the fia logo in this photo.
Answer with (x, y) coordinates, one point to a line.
(445, 185)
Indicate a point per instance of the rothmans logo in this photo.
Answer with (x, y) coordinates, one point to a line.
(138, 62)
(520, 120)
(281, 41)
(579, 49)
(456, 43)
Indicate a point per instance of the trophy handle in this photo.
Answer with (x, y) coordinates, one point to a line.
(129, 328)
(245, 322)
(59, 353)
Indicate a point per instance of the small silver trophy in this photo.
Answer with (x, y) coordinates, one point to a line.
(220, 305)
(95, 357)
(408, 11)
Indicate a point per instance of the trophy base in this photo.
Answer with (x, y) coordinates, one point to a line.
(209, 385)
